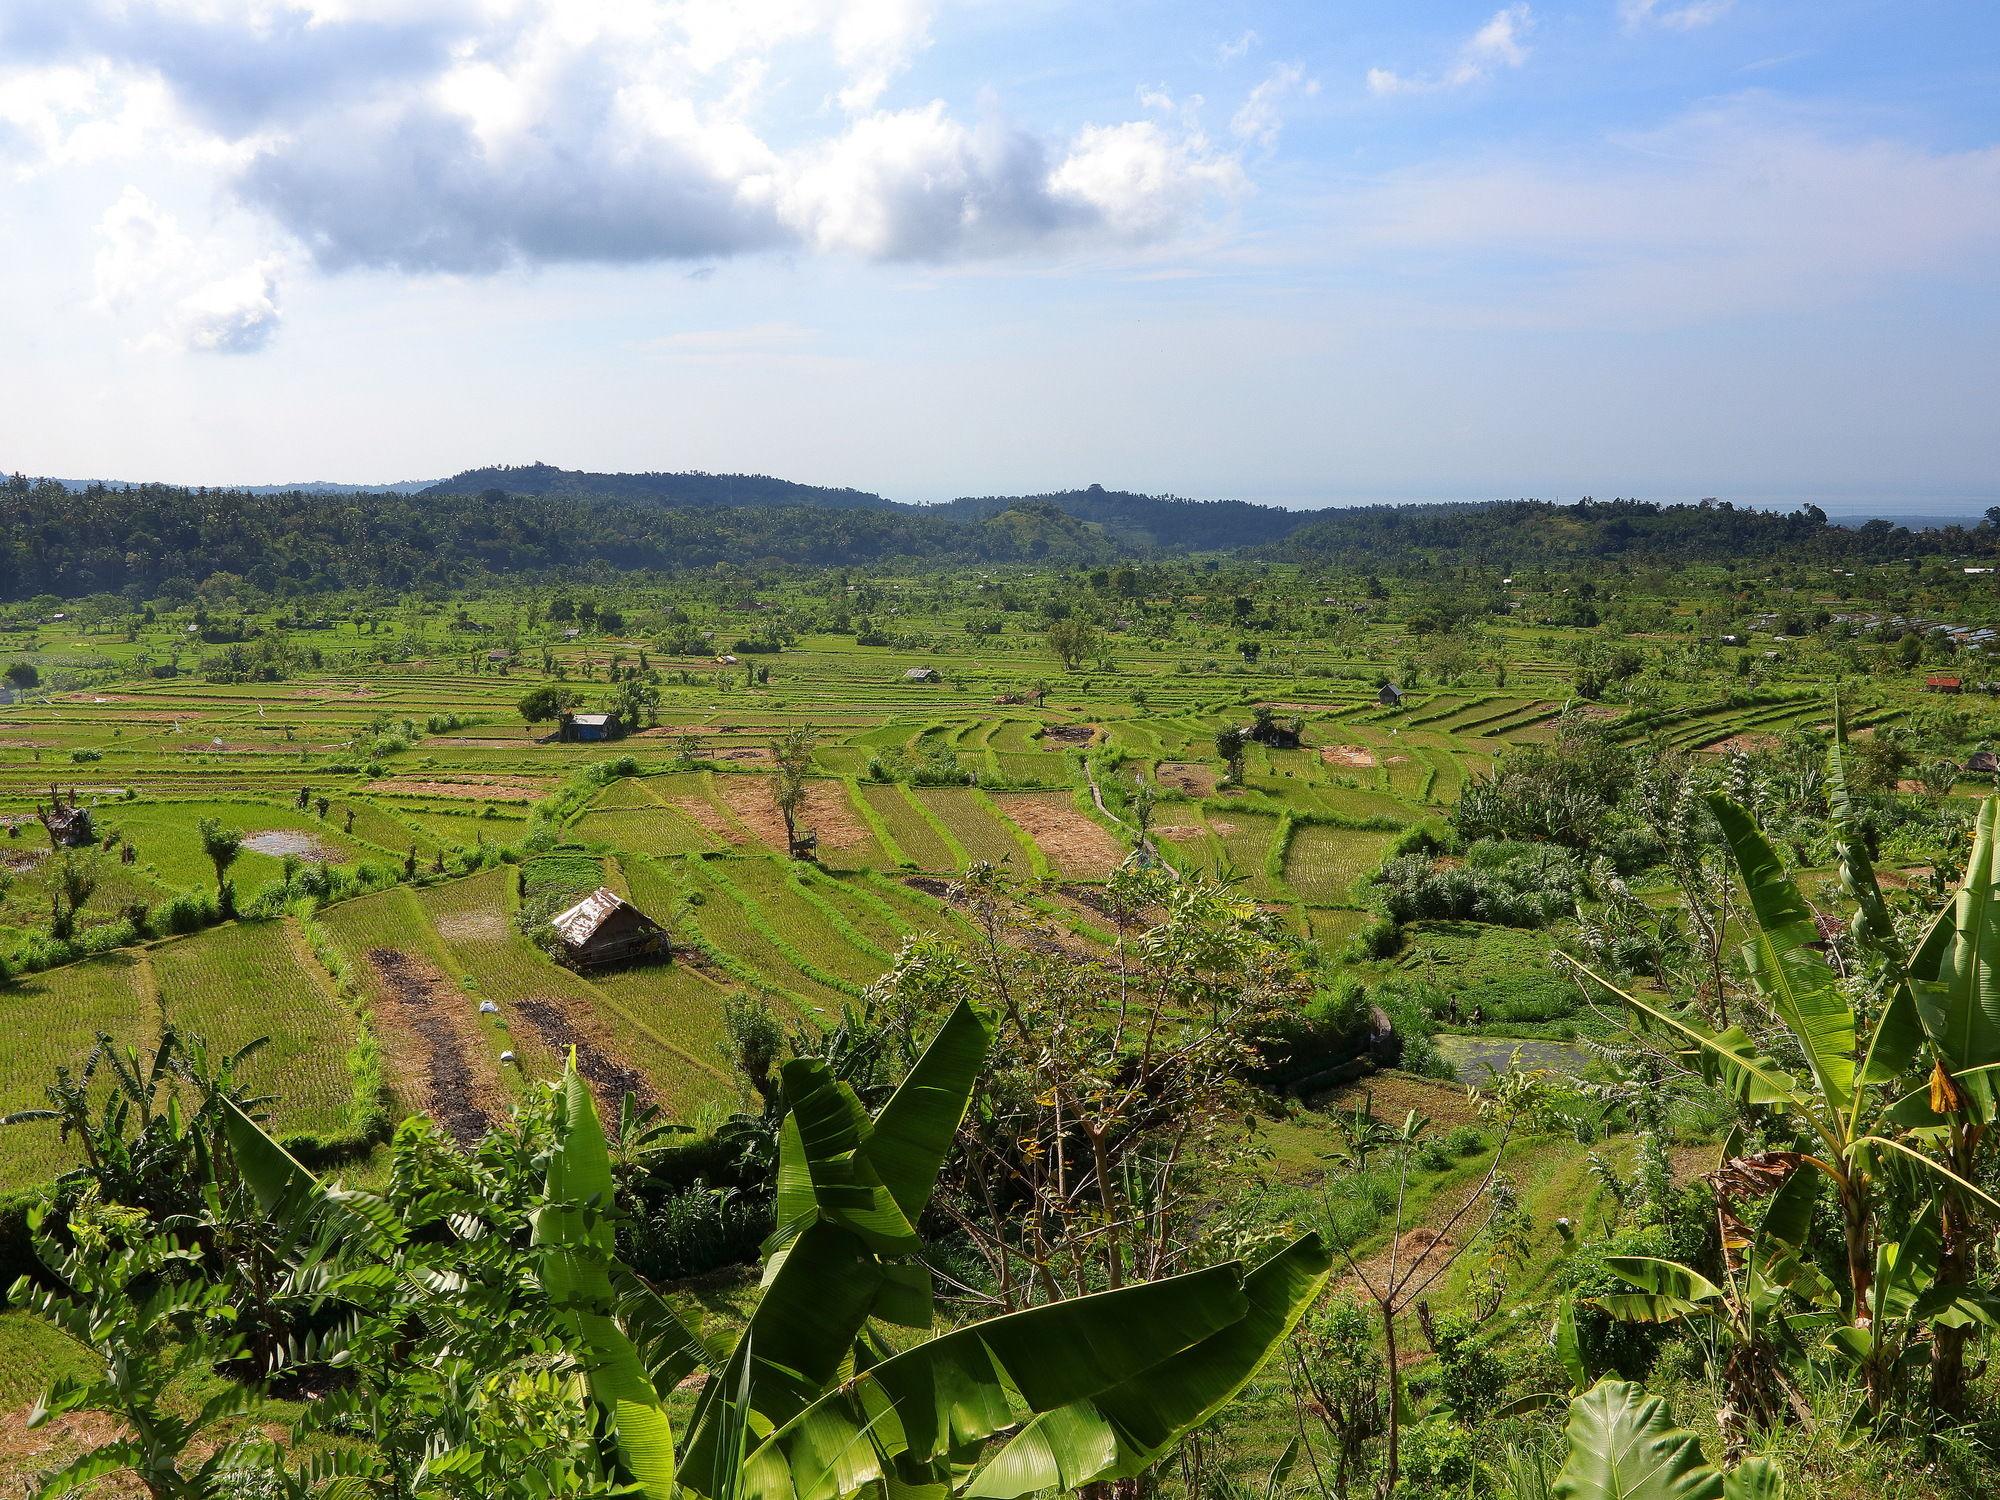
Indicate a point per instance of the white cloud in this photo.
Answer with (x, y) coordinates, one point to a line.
(1686, 15)
(1500, 43)
(874, 41)
(1259, 118)
(1231, 51)
(464, 136)
(917, 184)
(233, 314)
(170, 291)
(1139, 180)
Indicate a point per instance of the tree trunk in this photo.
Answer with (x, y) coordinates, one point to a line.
(1392, 1471)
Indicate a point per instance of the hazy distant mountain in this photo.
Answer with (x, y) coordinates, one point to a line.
(310, 487)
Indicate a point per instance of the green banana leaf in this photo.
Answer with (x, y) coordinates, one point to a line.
(1788, 969)
(913, 1414)
(849, 1193)
(573, 1229)
(1125, 1430)
(1623, 1445)
(1957, 967)
(1668, 1290)
(913, 1132)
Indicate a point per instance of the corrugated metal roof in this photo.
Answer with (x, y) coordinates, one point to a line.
(581, 921)
(595, 720)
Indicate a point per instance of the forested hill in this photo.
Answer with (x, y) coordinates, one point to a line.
(141, 539)
(1139, 522)
(691, 489)
(1521, 533)
(1155, 520)
(145, 538)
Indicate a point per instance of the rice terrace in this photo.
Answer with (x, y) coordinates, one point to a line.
(422, 855)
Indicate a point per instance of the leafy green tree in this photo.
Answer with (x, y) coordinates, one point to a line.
(1074, 641)
(221, 844)
(792, 757)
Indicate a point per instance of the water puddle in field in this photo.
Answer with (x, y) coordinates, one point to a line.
(1481, 1059)
(279, 842)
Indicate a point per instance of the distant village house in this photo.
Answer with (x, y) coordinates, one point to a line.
(1939, 683)
(589, 727)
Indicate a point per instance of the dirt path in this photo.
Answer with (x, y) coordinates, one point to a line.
(430, 1015)
(560, 1028)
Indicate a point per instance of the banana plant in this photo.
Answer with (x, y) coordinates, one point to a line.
(1838, 1107)
(815, 1398)
(1954, 979)
(1623, 1445)
(1746, 1317)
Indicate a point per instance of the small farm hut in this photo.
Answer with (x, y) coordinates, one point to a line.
(923, 674)
(1391, 696)
(604, 928)
(594, 726)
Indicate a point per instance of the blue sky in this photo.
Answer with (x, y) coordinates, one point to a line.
(1309, 253)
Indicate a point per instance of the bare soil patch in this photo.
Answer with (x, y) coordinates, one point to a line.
(830, 815)
(468, 791)
(1071, 734)
(749, 798)
(1189, 777)
(1074, 843)
(279, 842)
(1309, 708)
(432, 1015)
(1181, 833)
(1347, 755)
(1743, 743)
(744, 755)
(560, 1027)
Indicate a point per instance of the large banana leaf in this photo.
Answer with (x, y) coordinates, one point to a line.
(1957, 967)
(1125, 1430)
(1668, 1290)
(573, 1230)
(913, 1132)
(1785, 964)
(849, 1192)
(1729, 1057)
(1624, 1446)
(912, 1414)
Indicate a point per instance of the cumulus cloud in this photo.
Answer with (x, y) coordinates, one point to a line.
(233, 314)
(1686, 15)
(464, 136)
(918, 185)
(170, 290)
(1500, 43)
